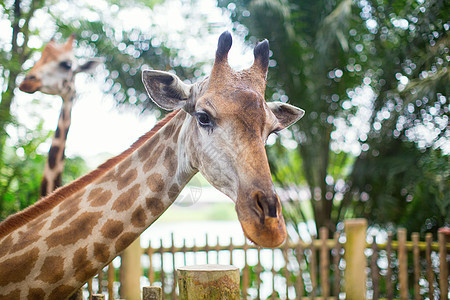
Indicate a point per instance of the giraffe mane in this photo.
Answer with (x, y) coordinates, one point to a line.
(48, 202)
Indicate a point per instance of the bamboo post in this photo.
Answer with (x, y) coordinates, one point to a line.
(355, 271)
(100, 281)
(258, 271)
(151, 272)
(299, 283)
(374, 268)
(402, 263)
(430, 273)
(443, 271)
(336, 261)
(230, 249)
(90, 288)
(324, 262)
(111, 278)
(416, 262)
(151, 293)
(130, 272)
(274, 273)
(163, 274)
(313, 268)
(286, 270)
(212, 282)
(245, 275)
(389, 278)
(174, 286)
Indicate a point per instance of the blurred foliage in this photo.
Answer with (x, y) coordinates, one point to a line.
(373, 79)
(126, 52)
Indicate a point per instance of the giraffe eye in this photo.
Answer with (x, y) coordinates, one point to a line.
(66, 65)
(203, 119)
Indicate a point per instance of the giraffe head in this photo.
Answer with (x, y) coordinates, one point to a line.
(54, 73)
(225, 133)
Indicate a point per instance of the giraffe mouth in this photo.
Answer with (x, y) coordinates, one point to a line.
(261, 225)
(271, 234)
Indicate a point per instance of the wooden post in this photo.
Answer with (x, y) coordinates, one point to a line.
(151, 293)
(402, 263)
(356, 263)
(324, 262)
(130, 272)
(416, 262)
(443, 271)
(430, 273)
(210, 282)
(111, 278)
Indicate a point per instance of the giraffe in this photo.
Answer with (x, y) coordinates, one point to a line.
(217, 127)
(54, 74)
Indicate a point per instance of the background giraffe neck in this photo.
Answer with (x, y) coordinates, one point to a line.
(54, 166)
(69, 243)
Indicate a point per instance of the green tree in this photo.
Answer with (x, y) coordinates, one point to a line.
(126, 51)
(370, 75)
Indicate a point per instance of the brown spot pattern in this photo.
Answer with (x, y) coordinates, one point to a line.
(168, 130)
(112, 229)
(125, 240)
(124, 165)
(151, 161)
(125, 201)
(82, 266)
(17, 268)
(126, 179)
(101, 252)
(148, 147)
(67, 210)
(5, 245)
(61, 292)
(138, 217)
(13, 295)
(100, 198)
(27, 238)
(155, 182)
(52, 270)
(78, 229)
(155, 206)
(109, 176)
(36, 294)
(173, 191)
(170, 161)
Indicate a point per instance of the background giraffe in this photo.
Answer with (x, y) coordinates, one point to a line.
(54, 74)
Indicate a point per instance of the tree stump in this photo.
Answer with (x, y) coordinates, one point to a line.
(152, 293)
(208, 282)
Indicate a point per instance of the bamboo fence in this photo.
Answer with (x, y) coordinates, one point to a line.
(345, 267)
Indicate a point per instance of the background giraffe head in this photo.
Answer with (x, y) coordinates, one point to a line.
(225, 134)
(54, 73)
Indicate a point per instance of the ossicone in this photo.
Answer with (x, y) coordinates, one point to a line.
(261, 53)
(223, 46)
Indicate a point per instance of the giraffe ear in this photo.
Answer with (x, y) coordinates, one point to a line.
(286, 114)
(165, 89)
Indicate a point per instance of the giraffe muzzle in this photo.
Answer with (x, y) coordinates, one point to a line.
(261, 219)
(30, 84)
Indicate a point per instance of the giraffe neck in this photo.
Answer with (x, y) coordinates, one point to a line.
(55, 253)
(54, 166)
